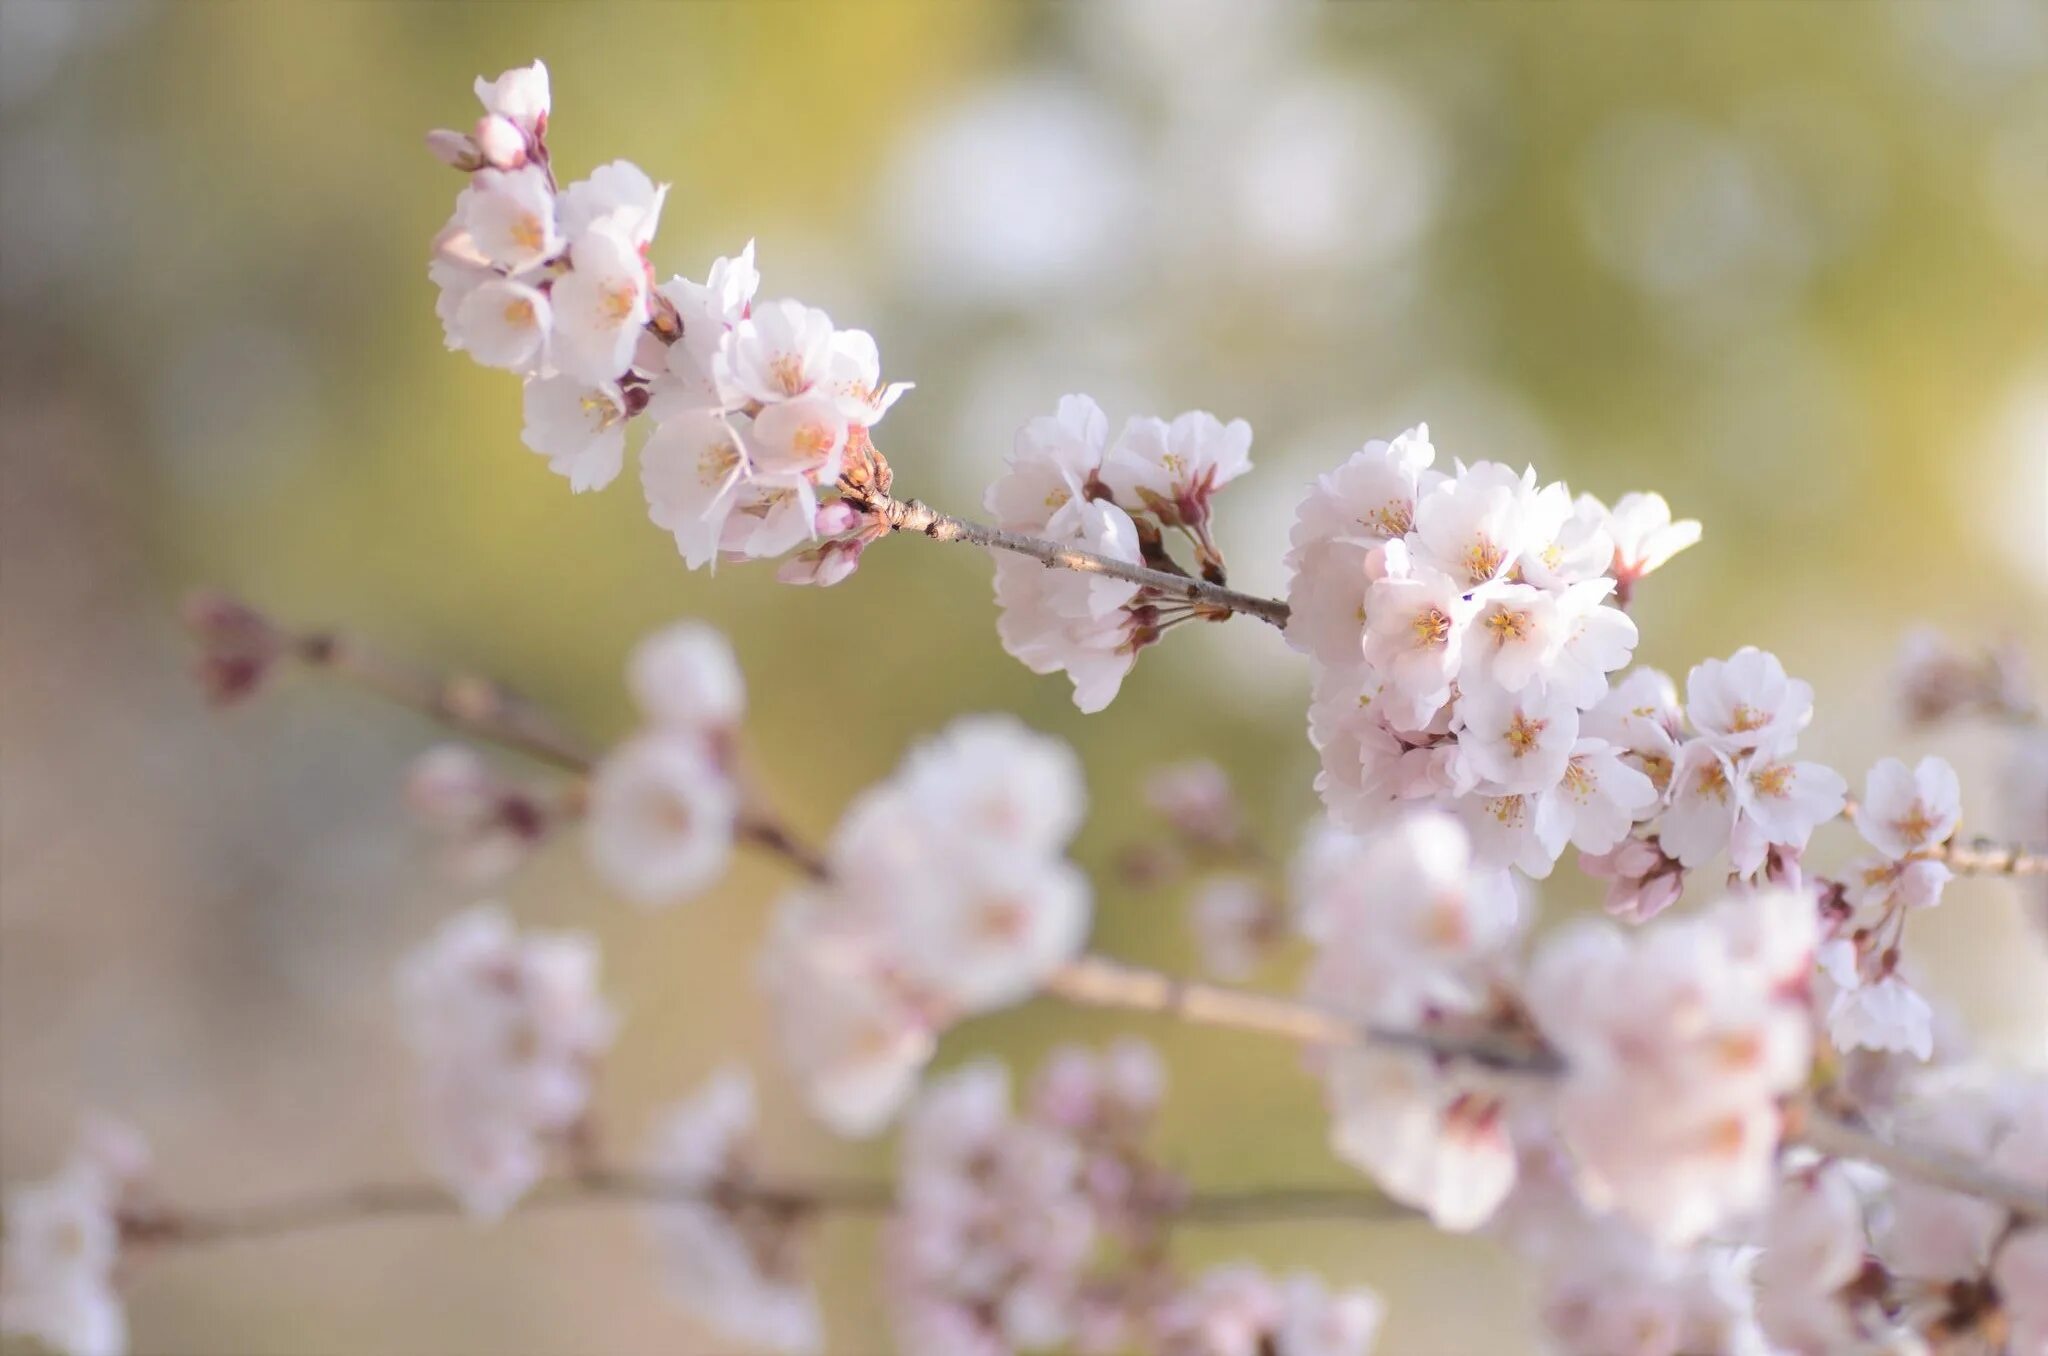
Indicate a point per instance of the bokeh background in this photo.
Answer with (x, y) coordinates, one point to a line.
(1787, 264)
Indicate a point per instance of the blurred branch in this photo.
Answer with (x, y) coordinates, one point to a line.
(240, 647)
(1817, 1128)
(912, 515)
(1978, 857)
(787, 1202)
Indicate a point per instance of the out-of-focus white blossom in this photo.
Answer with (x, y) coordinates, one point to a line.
(1813, 1247)
(685, 679)
(506, 1029)
(661, 818)
(1238, 1310)
(726, 1258)
(1678, 1042)
(994, 1228)
(1407, 935)
(949, 892)
(63, 1244)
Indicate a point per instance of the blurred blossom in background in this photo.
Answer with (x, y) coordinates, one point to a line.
(1787, 265)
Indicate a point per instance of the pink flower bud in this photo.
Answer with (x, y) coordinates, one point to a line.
(454, 149)
(836, 519)
(500, 142)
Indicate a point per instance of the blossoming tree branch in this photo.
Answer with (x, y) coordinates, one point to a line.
(1721, 1121)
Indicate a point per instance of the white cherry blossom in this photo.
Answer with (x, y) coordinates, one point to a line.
(1780, 802)
(1050, 464)
(1597, 800)
(1746, 703)
(503, 323)
(1597, 641)
(1415, 639)
(1905, 811)
(1645, 537)
(1474, 526)
(778, 352)
(1519, 741)
(1514, 636)
(801, 438)
(510, 218)
(1568, 541)
(600, 304)
(618, 196)
(1641, 716)
(579, 428)
(1173, 469)
(520, 96)
(691, 468)
(1700, 819)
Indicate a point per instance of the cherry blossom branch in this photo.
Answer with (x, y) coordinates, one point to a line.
(1983, 857)
(1978, 857)
(1822, 1130)
(241, 645)
(912, 515)
(1095, 981)
(421, 1200)
(426, 1200)
(241, 642)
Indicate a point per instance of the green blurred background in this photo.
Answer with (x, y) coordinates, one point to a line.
(1785, 263)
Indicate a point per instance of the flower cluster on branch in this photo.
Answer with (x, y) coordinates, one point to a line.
(1721, 1128)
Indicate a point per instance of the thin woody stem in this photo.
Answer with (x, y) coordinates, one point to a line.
(1822, 1130)
(468, 704)
(1983, 857)
(1095, 981)
(463, 702)
(421, 1200)
(1977, 857)
(911, 515)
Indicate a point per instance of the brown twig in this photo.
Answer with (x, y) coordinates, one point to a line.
(911, 515)
(463, 702)
(1820, 1129)
(421, 1200)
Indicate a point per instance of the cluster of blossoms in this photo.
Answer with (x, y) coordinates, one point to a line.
(1045, 1230)
(1677, 1044)
(507, 1031)
(1461, 632)
(1067, 483)
(1627, 1104)
(948, 893)
(756, 407)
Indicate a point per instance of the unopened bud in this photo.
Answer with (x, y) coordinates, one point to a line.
(455, 149)
(500, 142)
(836, 519)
